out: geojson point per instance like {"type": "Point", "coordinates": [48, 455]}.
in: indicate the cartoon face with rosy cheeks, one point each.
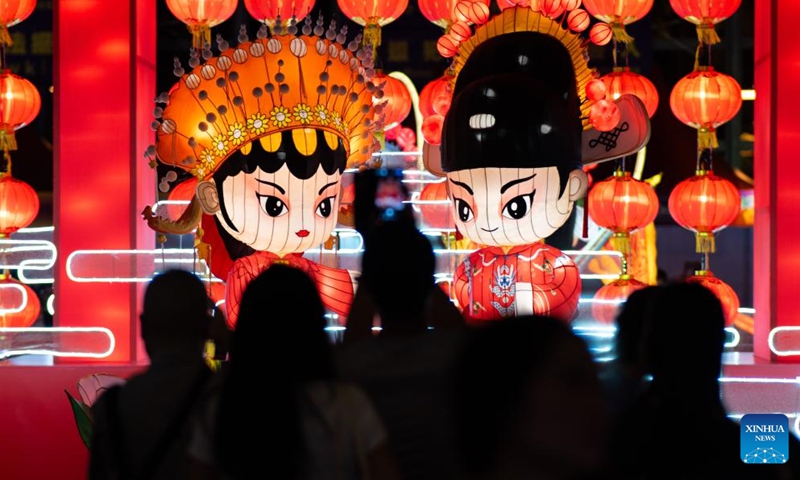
{"type": "Point", "coordinates": [279, 212]}
{"type": "Point", "coordinates": [502, 207]}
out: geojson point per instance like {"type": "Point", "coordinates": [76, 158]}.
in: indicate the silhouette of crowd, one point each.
{"type": "Point", "coordinates": [423, 397]}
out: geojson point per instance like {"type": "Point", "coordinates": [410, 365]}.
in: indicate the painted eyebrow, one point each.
{"type": "Point", "coordinates": [277, 187]}
{"type": "Point", "coordinates": [326, 186]}
{"type": "Point", "coordinates": [514, 182]}
{"type": "Point", "coordinates": [462, 185]}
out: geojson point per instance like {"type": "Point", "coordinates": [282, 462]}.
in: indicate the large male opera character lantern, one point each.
{"type": "Point", "coordinates": [513, 145]}
{"type": "Point", "coordinates": [267, 128]}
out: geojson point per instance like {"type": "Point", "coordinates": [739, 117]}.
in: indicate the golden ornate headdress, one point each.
{"type": "Point", "coordinates": [524, 19]}
{"type": "Point", "coordinates": [256, 90]}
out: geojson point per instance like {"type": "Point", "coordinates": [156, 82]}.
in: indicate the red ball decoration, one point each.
{"type": "Point", "coordinates": [570, 5]}
{"type": "Point", "coordinates": [705, 99]}
{"type": "Point", "coordinates": [182, 192]}
{"type": "Point", "coordinates": [397, 98]}
{"type": "Point", "coordinates": [578, 20]}
{"type": "Point", "coordinates": [432, 129]}
{"type": "Point", "coordinates": [622, 81]}
{"type": "Point", "coordinates": [11, 299]}
{"type": "Point", "coordinates": [460, 31]}
{"type": "Point", "coordinates": [595, 90]}
{"type": "Point", "coordinates": [727, 297]}
{"type": "Point", "coordinates": [19, 205]}
{"type": "Point", "coordinates": [19, 107]}
{"type": "Point", "coordinates": [604, 115]}
{"type": "Point", "coordinates": [623, 205]}
{"type": "Point", "coordinates": [438, 216]}
{"type": "Point", "coordinates": [442, 104]}
{"type": "Point", "coordinates": [478, 13]}
{"type": "Point", "coordinates": [430, 93]}
{"type": "Point", "coordinates": [600, 34]}
{"type": "Point", "coordinates": [267, 11]}
{"type": "Point", "coordinates": [447, 46]}
{"type": "Point", "coordinates": [607, 299]}
{"type": "Point", "coordinates": [705, 14]}
{"type": "Point", "coordinates": [704, 204]}
{"type": "Point", "coordinates": [552, 8]}
{"type": "Point", "coordinates": [441, 12]}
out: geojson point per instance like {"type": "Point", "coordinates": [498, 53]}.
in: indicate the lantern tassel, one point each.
{"type": "Point", "coordinates": [201, 36]}
{"type": "Point", "coordinates": [705, 242]}
{"type": "Point", "coordinates": [707, 139]}
{"type": "Point", "coordinates": [5, 37]}
{"type": "Point", "coordinates": [707, 34]}
{"type": "Point", "coordinates": [621, 243]}
{"type": "Point", "coordinates": [620, 35]}
{"type": "Point", "coordinates": [8, 142]}
{"type": "Point", "coordinates": [372, 35]}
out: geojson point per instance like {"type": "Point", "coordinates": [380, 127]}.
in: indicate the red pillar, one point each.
{"type": "Point", "coordinates": [777, 178]}
{"type": "Point", "coordinates": [104, 86]}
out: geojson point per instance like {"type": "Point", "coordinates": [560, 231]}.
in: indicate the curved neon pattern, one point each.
{"type": "Point", "coordinates": [9, 247]}
{"type": "Point", "coordinates": [55, 352]}
{"type": "Point", "coordinates": [163, 257]}
{"type": "Point", "coordinates": [50, 304]}
{"type": "Point", "coordinates": [771, 341]}
{"type": "Point", "coordinates": [412, 91]}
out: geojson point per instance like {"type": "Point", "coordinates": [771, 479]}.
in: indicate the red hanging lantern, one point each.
{"type": "Point", "coordinates": [442, 12]}
{"type": "Point", "coordinates": [623, 205]}
{"type": "Point", "coordinates": [430, 93]}
{"type": "Point", "coordinates": [727, 297]}
{"type": "Point", "coordinates": [705, 99]}
{"type": "Point", "coordinates": [11, 297]}
{"type": "Point", "coordinates": [622, 81]}
{"type": "Point", "coordinates": [268, 11]}
{"type": "Point", "coordinates": [704, 204]}
{"type": "Point", "coordinates": [201, 15]}
{"type": "Point", "coordinates": [13, 12]}
{"type": "Point", "coordinates": [432, 129]}
{"type": "Point", "coordinates": [618, 13]}
{"type": "Point", "coordinates": [436, 215]}
{"type": "Point", "coordinates": [183, 192]}
{"type": "Point", "coordinates": [705, 14]}
{"type": "Point", "coordinates": [19, 205]}
{"type": "Point", "coordinates": [19, 105]}
{"type": "Point", "coordinates": [372, 15]}
{"type": "Point", "coordinates": [608, 298]}
{"type": "Point", "coordinates": [396, 97]}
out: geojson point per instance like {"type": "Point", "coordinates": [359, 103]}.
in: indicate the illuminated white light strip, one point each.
{"type": "Point", "coordinates": [757, 380]}
{"type": "Point", "coordinates": [29, 246]}
{"type": "Point", "coordinates": [221, 302]}
{"type": "Point", "coordinates": [427, 202]}
{"type": "Point", "coordinates": [31, 281]}
{"type": "Point", "coordinates": [51, 309]}
{"type": "Point", "coordinates": [748, 95]}
{"type": "Point", "coordinates": [747, 311]}
{"type": "Point", "coordinates": [771, 341]}
{"type": "Point", "coordinates": [157, 254]}
{"type": "Point", "coordinates": [737, 337]}
{"type": "Point", "coordinates": [51, 228]}
{"type": "Point", "coordinates": [395, 154]}
{"type": "Point", "coordinates": [599, 276]}
{"type": "Point", "coordinates": [111, 340]}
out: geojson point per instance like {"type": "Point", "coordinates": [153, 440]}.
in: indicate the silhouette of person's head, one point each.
{"type": "Point", "coordinates": [686, 337]}
{"type": "Point", "coordinates": [631, 323]}
{"type": "Point", "coordinates": [397, 268]}
{"type": "Point", "coordinates": [175, 313]}
{"type": "Point", "coordinates": [523, 388]}
{"type": "Point", "coordinates": [281, 307]}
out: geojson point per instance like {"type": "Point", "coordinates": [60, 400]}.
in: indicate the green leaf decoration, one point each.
{"type": "Point", "coordinates": [83, 419]}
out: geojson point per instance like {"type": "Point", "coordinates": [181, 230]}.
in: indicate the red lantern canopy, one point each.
{"type": "Point", "coordinates": [19, 104]}
{"type": "Point", "coordinates": [396, 97]}
{"type": "Point", "coordinates": [727, 297]}
{"type": "Point", "coordinates": [19, 205]}
{"type": "Point", "coordinates": [372, 15]}
{"type": "Point", "coordinates": [430, 93]}
{"type": "Point", "coordinates": [618, 13]}
{"type": "Point", "coordinates": [268, 11]}
{"type": "Point", "coordinates": [705, 14]}
{"type": "Point", "coordinates": [183, 192]}
{"type": "Point", "coordinates": [201, 15]}
{"type": "Point", "coordinates": [622, 81]}
{"type": "Point", "coordinates": [435, 206]}
{"type": "Point", "coordinates": [705, 99]}
{"type": "Point", "coordinates": [12, 13]}
{"type": "Point", "coordinates": [11, 297]}
{"type": "Point", "coordinates": [704, 204]}
{"type": "Point", "coordinates": [609, 297]}
{"type": "Point", "coordinates": [442, 12]}
{"type": "Point", "coordinates": [623, 205]}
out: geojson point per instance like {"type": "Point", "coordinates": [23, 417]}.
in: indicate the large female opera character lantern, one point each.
{"type": "Point", "coordinates": [267, 128]}
{"type": "Point", "coordinates": [513, 145]}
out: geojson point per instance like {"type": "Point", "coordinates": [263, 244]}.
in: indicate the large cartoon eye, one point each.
{"type": "Point", "coordinates": [272, 206]}
{"type": "Point", "coordinates": [464, 210]}
{"type": "Point", "coordinates": [518, 207]}
{"type": "Point", "coordinates": [325, 207]}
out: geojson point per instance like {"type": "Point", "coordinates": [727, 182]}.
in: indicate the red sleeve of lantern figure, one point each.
{"type": "Point", "coordinates": [533, 279]}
